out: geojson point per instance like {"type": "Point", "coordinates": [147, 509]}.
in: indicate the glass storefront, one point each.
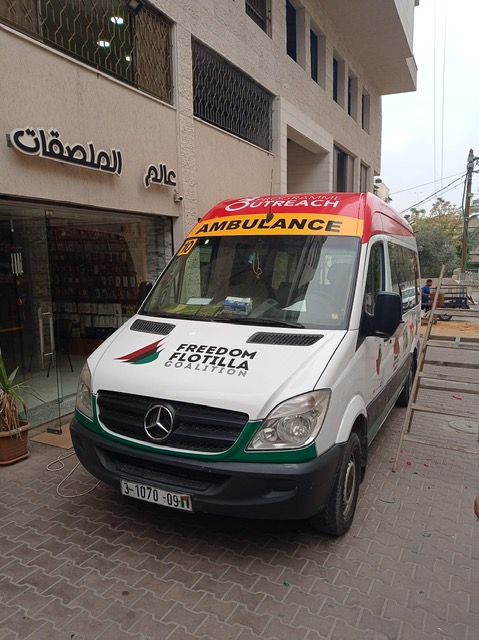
{"type": "Point", "coordinates": [68, 279]}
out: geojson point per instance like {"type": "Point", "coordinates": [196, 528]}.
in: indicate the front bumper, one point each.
{"type": "Point", "coordinates": [269, 491]}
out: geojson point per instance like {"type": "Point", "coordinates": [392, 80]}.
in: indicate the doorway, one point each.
{"type": "Point", "coordinates": [27, 320]}
{"type": "Point", "coordinates": [68, 280]}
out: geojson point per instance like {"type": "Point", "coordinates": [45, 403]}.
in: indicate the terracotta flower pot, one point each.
{"type": "Point", "coordinates": [14, 444]}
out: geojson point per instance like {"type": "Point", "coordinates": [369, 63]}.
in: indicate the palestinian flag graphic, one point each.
{"type": "Point", "coordinates": [144, 355]}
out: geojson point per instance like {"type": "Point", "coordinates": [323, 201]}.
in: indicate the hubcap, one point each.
{"type": "Point", "coordinates": [349, 486]}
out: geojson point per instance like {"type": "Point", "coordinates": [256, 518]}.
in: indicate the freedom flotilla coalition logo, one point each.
{"type": "Point", "coordinates": [144, 355]}
{"type": "Point", "coordinates": [210, 358]}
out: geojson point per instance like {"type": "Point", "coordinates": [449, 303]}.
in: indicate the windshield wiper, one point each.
{"type": "Point", "coordinates": [234, 319]}
{"type": "Point", "coordinates": [261, 321]}
{"type": "Point", "coordinates": [177, 316]}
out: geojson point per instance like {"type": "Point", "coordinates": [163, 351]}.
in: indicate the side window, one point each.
{"type": "Point", "coordinates": [404, 274]}
{"type": "Point", "coordinates": [375, 277]}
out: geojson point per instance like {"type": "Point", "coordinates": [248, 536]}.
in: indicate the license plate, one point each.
{"type": "Point", "coordinates": [155, 495]}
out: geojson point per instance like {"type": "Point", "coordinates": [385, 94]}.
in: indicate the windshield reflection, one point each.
{"type": "Point", "coordinates": [303, 281]}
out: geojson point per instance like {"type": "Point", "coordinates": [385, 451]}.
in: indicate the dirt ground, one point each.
{"type": "Point", "coordinates": [455, 328]}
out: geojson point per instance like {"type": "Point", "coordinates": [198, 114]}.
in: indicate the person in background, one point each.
{"type": "Point", "coordinates": [426, 294]}
{"type": "Point", "coordinates": [476, 507]}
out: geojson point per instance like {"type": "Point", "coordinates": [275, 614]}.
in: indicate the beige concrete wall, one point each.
{"type": "Point", "coordinates": [46, 89]}
{"type": "Point", "coordinates": [227, 167]}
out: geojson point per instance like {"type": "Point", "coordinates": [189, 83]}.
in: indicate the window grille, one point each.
{"type": "Point", "coordinates": [258, 11]}
{"type": "Point", "coordinates": [227, 98]}
{"type": "Point", "coordinates": [102, 34]}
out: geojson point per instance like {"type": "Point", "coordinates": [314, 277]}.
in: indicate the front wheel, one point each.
{"type": "Point", "coordinates": [404, 396]}
{"type": "Point", "coordinates": [445, 317]}
{"type": "Point", "coordinates": [338, 514]}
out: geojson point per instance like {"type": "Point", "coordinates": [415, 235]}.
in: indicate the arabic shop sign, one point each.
{"type": "Point", "coordinates": [47, 144]}
{"type": "Point", "coordinates": [159, 175]}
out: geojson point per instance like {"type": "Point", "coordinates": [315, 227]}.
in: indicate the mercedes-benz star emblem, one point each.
{"type": "Point", "coordinates": [158, 423]}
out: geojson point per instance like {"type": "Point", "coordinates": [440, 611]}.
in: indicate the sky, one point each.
{"type": "Point", "coordinates": [427, 134]}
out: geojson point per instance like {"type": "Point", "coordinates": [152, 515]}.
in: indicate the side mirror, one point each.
{"type": "Point", "coordinates": [144, 289]}
{"type": "Point", "coordinates": [387, 314]}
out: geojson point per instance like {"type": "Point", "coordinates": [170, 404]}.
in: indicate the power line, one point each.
{"type": "Point", "coordinates": [394, 193]}
{"type": "Point", "coordinates": [434, 194]}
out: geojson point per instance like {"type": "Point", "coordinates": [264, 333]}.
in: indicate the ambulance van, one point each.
{"type": "Point", "coordinates": [261, 364]}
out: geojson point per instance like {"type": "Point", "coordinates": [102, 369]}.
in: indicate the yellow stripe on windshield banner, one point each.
{"type": "Point", "coordinates": [280, 224]}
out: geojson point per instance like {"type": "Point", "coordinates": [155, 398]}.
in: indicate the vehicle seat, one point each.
{"type": "Point", "coordinates": [339, 275]}
{"type": "Point", "coordinates": [246, 285]}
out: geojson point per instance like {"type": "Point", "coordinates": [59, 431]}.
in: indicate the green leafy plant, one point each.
{"type": "Point", "coordinates": [11, 398]}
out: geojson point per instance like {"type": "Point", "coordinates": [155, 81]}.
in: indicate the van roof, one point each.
{"type": "Point", "coordinates": [363, 214]}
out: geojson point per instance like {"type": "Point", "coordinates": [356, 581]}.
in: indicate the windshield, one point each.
{"type": "Point", "coordinates": [303, 281]}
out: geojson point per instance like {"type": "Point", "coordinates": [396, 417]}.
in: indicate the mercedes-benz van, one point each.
{"type": "Point", "coordinates": [261, 364]}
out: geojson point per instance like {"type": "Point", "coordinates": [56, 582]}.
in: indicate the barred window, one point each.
{"type": "Point", "coordinates": [259, 12]}
{"type": "Point", "coordinates": [229, 99]}
{"type": "Point", "coordinates": [103, 34]}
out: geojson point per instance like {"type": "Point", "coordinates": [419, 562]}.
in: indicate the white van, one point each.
{"type": "Point", "coordinates": [261, 364]}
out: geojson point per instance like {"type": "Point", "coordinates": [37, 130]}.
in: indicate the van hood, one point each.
{"type": "Point", "coordinates": [246, 368]}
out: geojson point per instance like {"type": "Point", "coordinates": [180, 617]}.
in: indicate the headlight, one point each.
{"type": "Point", "coordinates": [84, 402]}
{"type": "Point", "coordinates": [294, 423]}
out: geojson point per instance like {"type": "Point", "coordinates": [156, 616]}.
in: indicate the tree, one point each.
{"type": "Point", "coordinates": [439, 236]}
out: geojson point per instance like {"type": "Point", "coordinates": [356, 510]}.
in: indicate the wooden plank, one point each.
{"type": "Point", "coordinates": [458, 346]}
{"type": "Point", "coordinates": [446, 378]}
{"type": "Point", "coordinates": [452, 389]}
{"type": "Point", "coordinates": [458, 365]}
{"type": "Point", "coordinates": [444, 412]}
{"type": "Point", "coordinates": [449, 339]}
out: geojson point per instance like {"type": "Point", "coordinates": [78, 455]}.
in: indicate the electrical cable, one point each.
{"type": "Point", "coordinates": [443, 90]}
{"type": "Point", "coordinates": [425, 184]}
{"type": "Point", "coordinates": [433, 194]}
{"type": "Point", "coordinates": [59, 461]}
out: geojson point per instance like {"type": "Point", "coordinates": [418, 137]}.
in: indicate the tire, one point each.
{"type": "Point", "coordinates": [403, 398]}
{"type": "Point", "coordinates": [445, 316]}
{"type": "Point", "coordinates": [337, 516]}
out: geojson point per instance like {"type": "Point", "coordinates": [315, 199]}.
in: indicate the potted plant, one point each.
{"type": "Point", "coordinates": [13, 430]}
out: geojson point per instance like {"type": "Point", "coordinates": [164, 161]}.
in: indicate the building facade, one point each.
{"type": "Point", "coordinates": [124, 121]}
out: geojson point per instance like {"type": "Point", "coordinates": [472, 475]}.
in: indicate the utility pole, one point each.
{"type": "Point", "coordinates": [467, 207]}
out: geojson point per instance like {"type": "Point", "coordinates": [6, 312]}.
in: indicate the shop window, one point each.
{"type": "Point", "coordinates": [96, 270]}
{"type": "Point", "coordinates": [103, 34]}
{"type": "Point", "coordinates": [229, 99]}
{"type": "Point", "coordinates": [259, 12]}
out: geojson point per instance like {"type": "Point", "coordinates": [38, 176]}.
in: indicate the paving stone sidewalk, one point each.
{"type": "Point", "coordinates": [103, 567]}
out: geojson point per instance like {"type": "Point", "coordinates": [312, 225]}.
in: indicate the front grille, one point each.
{"type": "Point", "coordinates": [195, 427]}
